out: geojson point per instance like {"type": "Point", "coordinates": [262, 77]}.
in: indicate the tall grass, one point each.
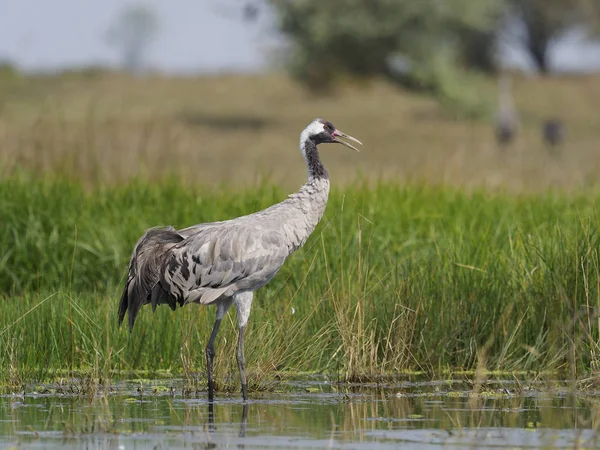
{"type": "Point", "coordinates": [393, 279]}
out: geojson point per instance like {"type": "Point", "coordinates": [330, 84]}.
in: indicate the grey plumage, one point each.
{"type": "Point", "coordinates": [553, 132]}
{"type": "Point", "coordinates": [223, 263]}
{"type": "Point", "coordinates": [149, 256]}
{"type": "Point", "coordinates": [243, 254]}
{"type": "Point", "coordinates": [506, 119]}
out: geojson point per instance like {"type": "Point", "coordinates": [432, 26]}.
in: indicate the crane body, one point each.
{"type": "Point", "coordinates": [223, 263]}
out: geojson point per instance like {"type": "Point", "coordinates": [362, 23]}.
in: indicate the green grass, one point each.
{"type": "Point", "coordinates": [393, 279]}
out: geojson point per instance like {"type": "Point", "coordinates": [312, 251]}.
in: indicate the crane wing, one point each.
{"type": "Point", "coordinates": [142, 286]}
{"type": "Point", "coordinates": [222, 260]}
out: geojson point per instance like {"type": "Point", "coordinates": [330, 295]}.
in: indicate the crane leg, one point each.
{"type": "Point", "coordinates": [244, 424]}
{"type": "Point", "coordinates": [243, 302]}
{"type": "Point", "coordinates": [222, 308]}
{"type": "Point", "coordinates": [210, 355]}
{"type": "Point", "coordinates": [241, 360]}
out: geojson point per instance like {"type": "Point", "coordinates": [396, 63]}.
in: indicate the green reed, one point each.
{"type": "Point", "coordinates": [395, 278]}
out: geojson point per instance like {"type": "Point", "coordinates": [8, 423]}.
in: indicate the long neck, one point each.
{"type": "Point", "coordinates": [505, 96]}
{"type": "Point", "coordinates": [298, 215]}
{"type": "Point", "coordinates": [316, 170]}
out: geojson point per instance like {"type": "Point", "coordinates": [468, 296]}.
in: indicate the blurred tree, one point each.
{"type": "Point", "coordinates": [362, 37]}
{"type": "Point", "coordinates": [132, 33]}
{"type": "Point", "coordinates": [432, 45]}
{"type": "Point", "coordinates": [416, 43]}
{"type": "Point", "coordinates": [545, 21]}
{"type": "Point", "coordinates": [477, 45]}
{"type": "Point", "coordinates": [250, 12]}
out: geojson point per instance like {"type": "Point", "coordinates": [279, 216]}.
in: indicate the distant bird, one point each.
{"type": "Point", "coordinates": [223, 263]}
{"type": "Point", "coordinates": [553, 133]}
{"type": "Point", "coordinates": [506, 119]}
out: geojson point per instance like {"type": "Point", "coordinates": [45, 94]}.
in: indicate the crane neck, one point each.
{"type": "Point", "coordinates": [316, 170]}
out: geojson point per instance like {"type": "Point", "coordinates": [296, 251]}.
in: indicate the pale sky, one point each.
{"type": "Point", "coordinates": [196, 36]}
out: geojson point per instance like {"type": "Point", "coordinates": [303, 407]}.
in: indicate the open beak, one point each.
{"type": "Point", "coordinates": [338, 133]}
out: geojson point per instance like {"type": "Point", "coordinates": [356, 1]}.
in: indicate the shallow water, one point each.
{"type": "Point", "coordinates": [311, 413]}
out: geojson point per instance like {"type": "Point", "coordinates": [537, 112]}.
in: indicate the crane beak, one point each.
{"type": "Point", "coordinates": [338, 133]}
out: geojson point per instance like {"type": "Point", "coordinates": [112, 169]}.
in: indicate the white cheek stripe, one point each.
{"type": "Point", "coordinates": [314, 128]}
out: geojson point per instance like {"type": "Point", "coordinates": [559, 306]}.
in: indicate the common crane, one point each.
{"type": "Point", "coordinates": [506, 118]}
{"type": "Point", "coordinates": [553, 133]}
{"type": "Point", "coordinates": [223, 263]}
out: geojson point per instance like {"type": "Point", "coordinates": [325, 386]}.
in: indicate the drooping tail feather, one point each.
{"type": "Point", "coordinates": [143, 279]}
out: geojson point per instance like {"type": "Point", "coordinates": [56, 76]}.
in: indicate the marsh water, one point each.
{"type": "Point", "coordinates": [310, 413]}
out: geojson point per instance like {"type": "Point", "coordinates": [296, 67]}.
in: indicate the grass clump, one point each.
{"type": "Point", "coordinates": [393, 279]}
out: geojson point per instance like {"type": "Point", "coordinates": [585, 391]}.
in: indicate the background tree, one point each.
{"type": "Point", "coordinates": [545, 21]}
{"type": "Point", "coordinates": [132, 34]}
{"type": "Point", "coordinates": [361, 37]}
{"type": "Point", "coordinates": [477, 45]}
{"type": "Point", "coordinates": [414, 43]}
{"type": "Point", "coordinates": [432, 45]}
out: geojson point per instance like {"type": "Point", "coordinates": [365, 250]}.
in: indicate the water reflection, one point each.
{"type": "Point", "coordinates": [314, 414]}
{"type": "Point", "coordinates": [243, 424]}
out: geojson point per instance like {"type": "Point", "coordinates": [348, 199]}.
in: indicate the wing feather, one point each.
{"type": "Point", "coordinates": [147, 260]}
{"type": "Point", "coordinates": [221, 260]}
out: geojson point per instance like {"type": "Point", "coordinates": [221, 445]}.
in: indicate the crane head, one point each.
{"type": "Point", "coordinates": [323, 132]}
